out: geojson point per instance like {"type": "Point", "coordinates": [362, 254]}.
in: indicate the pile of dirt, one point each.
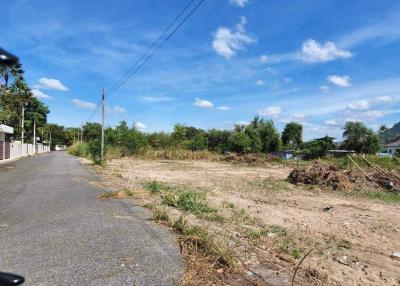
{"type": "Point", "coordinates": [343, 180]}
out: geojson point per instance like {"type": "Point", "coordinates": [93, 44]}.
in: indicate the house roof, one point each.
{"type": "Point", "coordinates": [6, 129]}
{"type": "Point", "coordinates": [393, 144]}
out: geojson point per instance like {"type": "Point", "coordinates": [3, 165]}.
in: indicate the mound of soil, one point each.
{"type": "Point", "coordinates": [343, 180]}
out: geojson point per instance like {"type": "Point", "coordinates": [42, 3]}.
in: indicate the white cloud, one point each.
{"type": "Point", "coordinates": [384, 99]}
{"type": "Point", "coordinates": [84, 104]}
{"type": "Point", "coordinates": [359, 105]}
{"type": "Point", "coordinates": [116, 109]}
{"type": "Point", "coordinates": [270, 111]}
{"type": "Point", "coordinates": [242, 123]}
{"type": "Point", "coordinates": [314, 52]}
{"type": "Point", "coordinates": [50, 83]}
{"type": "Point", "coordinates": [39, 94]}
{"type": "Point", "coordinates": [300, 116]}
{"type": "Point", "coordinates": [260, 82]}
{"type": "Point", "coordinates": [264, 59]}
{"type": "Point", "coordinates": [331, 122]}
{"type": "Point", "coordinates": [224, 108]}
{"type": "Point", "coordinates": [227, 42]}
{"type": "Point", "coordinates": [158, 99]}
{"type": "Point", "coordinates": [140, 126]}
{"type": "Point", "coordinates": [324, 88]}
{"type": "Point", "coordinates": [287, 80]}
{"type": "Point", "coordinates": [203, 103]}
{"type": "Point", "coordinates": [240, 3]}
{"type": "Point", "coordinates": [295, 89]}
{"type": "Point", "coordinates": [364, 116]}
{"type": "Point", "coordinates": [341, 81]}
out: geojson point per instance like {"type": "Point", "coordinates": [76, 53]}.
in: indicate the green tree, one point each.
{"type": "Point", "coordinates": [317, 148]}
{"type": "Point", "coordinates": [360, 138]}
{"type": "Point", "coordinates": [218, 140]}
{"type": "Point", "coordinates": [292, 134]}
{"type": "Point", "coordinates": [91, 131]}
{"type": "Point", "coordinates": [269, 136]}
{"type": "Point", "coordinates": [239, 141]}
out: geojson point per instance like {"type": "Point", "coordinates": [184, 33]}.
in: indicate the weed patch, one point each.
{"type": "Point", "coordinates": [108, 195]}
{"type": "Point", "coordinates": [155, 187]}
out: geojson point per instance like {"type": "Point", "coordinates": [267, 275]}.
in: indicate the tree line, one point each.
{"type": "Point", "coordinates": [259, 136]}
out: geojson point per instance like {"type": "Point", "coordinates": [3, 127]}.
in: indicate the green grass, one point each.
{"type": "Point", "coordinates": [277, 230]}
{"type": "Point", "coordinates": [155, 187]}
{"type": "Point", "coordinates": [344, 244]}
{"type": "Point", "coordinates": [128, 192]}
{"type": "Point", "coordinates": [377, 195]}
{"type": "Point", "coordinates": [190, 201]}
{"type": "Point", "coordinates": [288, 246]}
{"type": "Point", "coordinates": [160, 214]}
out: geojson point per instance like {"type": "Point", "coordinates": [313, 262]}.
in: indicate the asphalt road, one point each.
{"type": "Point", "coordinates": [55, 231]}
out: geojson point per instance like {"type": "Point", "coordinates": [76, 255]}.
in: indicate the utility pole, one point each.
{"type": "Point", "coordinates": [23, 124]}
{"type": "Point", "coordinates": [34, 135]}
{"type": "Point", "coordinates": [81, 133]}
{"type": "Point", "coordinates": [102, 124]}
{"type": "Point", "coordinates": [50, 142]}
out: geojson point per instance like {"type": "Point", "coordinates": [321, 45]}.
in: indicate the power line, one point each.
{"type": "Point", "coordinates": [153, 45]}
{"type": "Point", "coordinates": [133, 71]}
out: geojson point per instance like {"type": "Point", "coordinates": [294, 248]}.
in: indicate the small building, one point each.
{"type": "Point", "coordinates": [5, 142]}
{"type": "Point", "coordinates": [285, 154]}
{"type": "Point", "coordinates": [340, 153]}
{"type": "Point", "coordinates": [391, 148]}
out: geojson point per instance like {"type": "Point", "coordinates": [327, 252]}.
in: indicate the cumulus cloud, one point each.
{"type": "Point", "coordinates": [324, 88]}
{"type": "Point", "coordinates": [224, 108]}
{"type": "Point", "coordinates": [314, 52]}
{"type": "Point", "coordinates": [260, 82]}
{"type": "Point", "coordinates": [341, 81]}
{"type": "Point", "coordinates": [359, 105]}
{"type": "Point", "coordinates": [270, 111]}
{"type": "Point", "coordinates": [84, 104]}
{"type": "Point", "coordinates": [227, 42]}
{"type": "Point", "coordinates": [50, 83]}
{"type": "Point", "coordinates": [239, 3]}
{"type": "Point", "coordinates": [203, 103]}
{"type": "Point", "coordinates": [39, 94]}
{"type": "Point", "coordinates": [140, 126]}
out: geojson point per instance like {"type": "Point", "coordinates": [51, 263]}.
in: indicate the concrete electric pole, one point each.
{"type": "Point", "coordinates": [102, 124]}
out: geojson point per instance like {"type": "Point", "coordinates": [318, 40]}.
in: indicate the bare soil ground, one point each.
{"type": "Point", "coordinates": [270, 224]}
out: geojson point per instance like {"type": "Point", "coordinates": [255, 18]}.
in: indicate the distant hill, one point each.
{"type": "Point", "coordinates": [391, 134]}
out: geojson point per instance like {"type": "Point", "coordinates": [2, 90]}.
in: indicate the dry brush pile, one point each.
{"type": "Point", "coordinates": [345, 180]}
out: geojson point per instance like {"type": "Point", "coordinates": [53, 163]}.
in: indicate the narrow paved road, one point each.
{"type": "Point", "coordinates": [54, 230]}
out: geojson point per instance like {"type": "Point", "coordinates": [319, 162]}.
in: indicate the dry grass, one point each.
{"type": "Point", "coordinates": [266, 224]}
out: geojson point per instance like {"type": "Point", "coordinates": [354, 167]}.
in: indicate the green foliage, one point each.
{"type": "Point", "coordinates": [292, 134]}
{"type": "Point", "coordinates": [156, 187]}
{"type": "Point", "coordinates": [316, 148]}
{"type": "Point", "coordinates": [239, 142]}
{"type": "Point", "coordinates": [359, 138]}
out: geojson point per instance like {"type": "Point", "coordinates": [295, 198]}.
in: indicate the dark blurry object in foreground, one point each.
{"type": "Point", "coordinates": [8, 279]}
{"type": "Point", "coordinates": [7, 58]}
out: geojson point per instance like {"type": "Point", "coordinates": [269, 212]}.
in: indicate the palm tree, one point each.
{"type": "Point", "coordinates": [15, 71]}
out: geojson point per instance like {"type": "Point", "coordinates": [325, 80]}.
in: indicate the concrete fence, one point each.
{"type": "Point", "coordinates": [17, 149]}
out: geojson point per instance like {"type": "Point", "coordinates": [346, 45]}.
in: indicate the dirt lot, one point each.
{"type": "Point", "coordinates": [270, 224]}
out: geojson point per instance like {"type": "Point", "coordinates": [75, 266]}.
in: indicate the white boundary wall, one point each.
{"type": "Point", "coordinates": [22, 150]}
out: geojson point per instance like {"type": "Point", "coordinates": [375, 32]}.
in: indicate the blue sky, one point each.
{"type": "Point", "coordinates": [317, 62]}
